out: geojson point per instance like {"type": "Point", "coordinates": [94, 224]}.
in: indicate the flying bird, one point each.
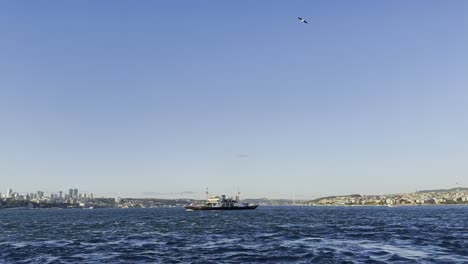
{"type": "Point", "coordinates": [302, 20]}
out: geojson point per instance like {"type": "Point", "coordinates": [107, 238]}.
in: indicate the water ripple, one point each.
{"type": "Point", "coordinates": [427, 234]}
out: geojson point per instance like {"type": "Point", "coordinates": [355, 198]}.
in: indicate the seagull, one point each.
{"type": "Point", "coordinates": [302, 20]}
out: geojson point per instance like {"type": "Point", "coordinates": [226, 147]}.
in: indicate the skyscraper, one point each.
{"type": "Point", "coordinates": [70, 193]}
{"type": "Point", "coordinates": [9, 192]}
{"type": "Point", "coordinates": [75, 193]}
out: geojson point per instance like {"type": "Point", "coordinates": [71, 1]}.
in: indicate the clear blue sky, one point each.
{"type": "Point", "coordinates": [168, 96]}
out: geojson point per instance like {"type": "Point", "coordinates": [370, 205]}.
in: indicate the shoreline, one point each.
{"type": "Point", "coordinates": [165, 207]}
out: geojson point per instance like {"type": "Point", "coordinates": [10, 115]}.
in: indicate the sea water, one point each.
{"type": "Point", "coordinates": [410, 234]}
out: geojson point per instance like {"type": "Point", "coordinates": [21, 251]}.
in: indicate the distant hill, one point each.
{"type": "Point", "coordinates": [266, 201]}
{"type": "Point", "coordinates": [335, 196]}
{"type": "Point", "coordinates": [423, 191]}
{"type": "Point", "coordinates": [456, 189]}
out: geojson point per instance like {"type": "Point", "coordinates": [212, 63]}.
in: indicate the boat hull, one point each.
{"type": "Point", "coordinates": [210, 208]}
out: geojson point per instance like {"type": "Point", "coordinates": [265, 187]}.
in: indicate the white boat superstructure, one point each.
{"type": "Point", "coordinates": [222, 202]}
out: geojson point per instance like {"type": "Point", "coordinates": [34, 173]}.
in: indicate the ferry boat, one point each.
{"type": "Point", "coordinates": [221, 203]}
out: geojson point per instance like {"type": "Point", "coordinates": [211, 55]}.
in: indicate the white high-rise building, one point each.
{"type": "Point", "coordinates": [9, 192]}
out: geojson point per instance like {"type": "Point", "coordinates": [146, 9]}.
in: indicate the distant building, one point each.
{"type": "Point", "coordinates": [70, 193]}
{"type": "Point", "coordinates": [60, 194]}
{"type": "Point", "coordinates": [75, 193]}
{"type": "Point", "coordinates": [9, 192]}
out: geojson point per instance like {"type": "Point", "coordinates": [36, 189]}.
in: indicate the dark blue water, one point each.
{"type": "Point", "coordinates": [423, 234]}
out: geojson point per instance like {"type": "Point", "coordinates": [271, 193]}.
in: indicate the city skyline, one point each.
{"type": "Point", "coordinates": [148, 97]}
{"type": "Point", "coordinates": [74, 193]}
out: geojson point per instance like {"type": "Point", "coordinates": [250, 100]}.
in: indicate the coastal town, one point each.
{"type": "Point", "coordinates": [74, 199]}
{"type": "Point", "coordinates": [429, 197]}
